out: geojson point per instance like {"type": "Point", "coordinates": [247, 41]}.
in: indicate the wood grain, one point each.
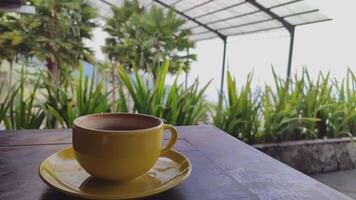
{"type": "Point", "coordinates": [223, 168]}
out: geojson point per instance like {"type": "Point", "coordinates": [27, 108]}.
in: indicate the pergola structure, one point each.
{"type": "Point", "coordinates": [210, 19]}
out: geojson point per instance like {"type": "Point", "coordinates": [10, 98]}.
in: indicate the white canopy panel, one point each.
{"type": "Point", "coordinates": [221, 18]}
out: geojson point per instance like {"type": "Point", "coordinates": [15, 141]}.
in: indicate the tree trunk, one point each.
{"type": "Point", "coordinates": [11, 70]}
{"type": "Point", "coordinates": [53, 69]}
{"type": "Point", "coordinates": [321, 126]}
{"type": "Point", "coordinates": [186, 79]}
{"type": "Point", "coordinates": [156, 63]}
{"type": "Point", "coordinates": [186, 69]}
{"type": "Point", "coordinates": [113, 82]}
{"type": "Point", "coordinates": [106, 86]}
{"type": "Point", "coordinates": [154, 75]}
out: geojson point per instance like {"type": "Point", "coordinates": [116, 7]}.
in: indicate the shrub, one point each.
{"type": "Point", "coordinates": [282, 109]}
{"type": "Point", "coordinates": [294, 109]}
{"type": "Point", "coordinates": [174, 104]}
{"type": "Point", "coordinates": [69, 101]}
{"type": "Point", "coordinates": [7, 101]}
{"type": "Point", "coordinates": [23, 110]}
{"type": "Point", "coordinates": [239, 112]}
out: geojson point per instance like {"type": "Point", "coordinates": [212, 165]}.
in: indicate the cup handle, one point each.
{"type": "Point", "coordinates": [172, 141]}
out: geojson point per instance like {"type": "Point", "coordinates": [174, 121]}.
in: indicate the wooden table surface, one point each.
{"type": "Point", "coordinates": [223, 168]}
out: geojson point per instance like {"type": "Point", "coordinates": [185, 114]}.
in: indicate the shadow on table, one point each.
{"type": "Point", "coordinates": [55, 195]}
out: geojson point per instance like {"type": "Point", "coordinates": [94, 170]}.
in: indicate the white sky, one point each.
{"type": "Point", "coordinates": [327, 46]}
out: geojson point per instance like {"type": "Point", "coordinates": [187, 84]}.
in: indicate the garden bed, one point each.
{"type": "Point", "coordinates": [314, 156]}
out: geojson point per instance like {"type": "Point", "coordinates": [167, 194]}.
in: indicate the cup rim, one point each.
{"type": "Point", "coordinates": [76, 125]}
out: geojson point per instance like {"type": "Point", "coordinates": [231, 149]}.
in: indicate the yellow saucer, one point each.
{"type": "Point", "coordinates": [62, 172]}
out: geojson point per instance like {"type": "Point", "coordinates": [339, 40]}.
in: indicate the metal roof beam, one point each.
{"type": "Point", "coordinates": [197, 6]}
{"type": "Point", "coordinates": [221, 9]}
{"type": "Point", "coordinates": [174, 3]}
{"type": "Point", "coordinates": [256, 31]}
{"type": "Point", "coordinates": [260, 21]}
{"type": "Point", "coordinates": [268, 11]}
{"type": "Point", "coordinates": [242, 15]}
{"type": "Point", "coordinates": [204, 38]}
{"type": "Point", "coordinates": [266, 20]}
{"type": "Point", "coordinates": [290, 27]}
{"type": "Point", "coordinates": [238, 4]}
{"type": "Point", "coordinates": [234, 17]}
{"type": "Point", "coordinates": [312, 22]}
{"type": "Point", "coordinates": [247, 24]}
{"type": "Point", "coordinates": [284, 4]}
{"type": "Point", "coordinates": [107, 3]}
{"type": "Point", "coordinates": [199, 38]}
{"type": "Point", "coordinates": [300, 13]}
{"type": "Point", "coordinates": [240, 25]}
{"type": "Point", "coordinates": [223, 72]}
{"type": "Point", "coordinates": [223, 37]}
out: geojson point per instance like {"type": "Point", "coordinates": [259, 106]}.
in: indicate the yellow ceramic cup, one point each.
{"type": "Point", "coordinates": [119, 146]}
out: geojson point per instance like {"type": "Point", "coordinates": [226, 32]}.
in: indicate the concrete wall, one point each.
{"type": "Point", "coordinates": [314, 156]}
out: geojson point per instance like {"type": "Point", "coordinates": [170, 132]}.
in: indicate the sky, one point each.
{"type": "Point", "coordinates": [328, 47]}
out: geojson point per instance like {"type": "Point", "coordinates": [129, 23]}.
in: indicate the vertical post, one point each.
{"type": "Point", "coordinates": [223, 68]}
{"type": "Point", "coordinates": [187, 70]}
{"type": "Point", "coordinates": [291, 44]}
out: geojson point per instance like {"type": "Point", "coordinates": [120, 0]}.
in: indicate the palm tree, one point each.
{"type": "Point", "coordinates": [146, 38]}
{"type": "Point", "coordinates": [107, 71]}
{"type": "Point", "coordinates": [54, 35]}
{"type": "Point", "coordinates": [11, 42]}
{"type": "Point", "coordinates": [122, 45]}
{"type": "Point", "coordinates": [162, 33]}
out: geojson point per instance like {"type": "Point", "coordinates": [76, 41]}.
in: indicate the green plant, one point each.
{"type": "Point", "coordinates": [238, 113]}
{"type": "Point", "coordinates": [317, 102]}
{"type": "Point", "coordinates": [54, 35]}
{"type": "Point", "coordinates": [24, 112]}
{"type": "Point", "coordinates": [174, 104]}
{"type": "Point", "coordinates": [289, 111]}
{"type": "Point", "coordinates": [341, 120]}
{"type": "Point", "coordinates": [6, 102]}
{"type": "Point", "coordinates": [282, 108]}
{"type": "Point", "coordinates": [66, 104]}
{"type": "Point", "coordinates": [191, 105]}
{"type": "Point", "coordinates": [293, 109]}
{"type": "Point", "coordinates": [146, 37]}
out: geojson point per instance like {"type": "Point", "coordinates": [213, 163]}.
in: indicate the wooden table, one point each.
{"type": "Point", "coordinates": [223, 168]}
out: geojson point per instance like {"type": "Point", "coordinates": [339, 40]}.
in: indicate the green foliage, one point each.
{"type": "Point", "coordinates": [38, 102]}
{"type": "Point", "coordinates": [290, 109]}
{"type": "Point", "coordinates": [294, 109]}
{"type": "Point", "coordinates": [123, 37]}
{"type": "Point", "coordinates": [176, 105]}
{"type": "Point", "coordinates": [240, 114]}
{"type": "Point", "coordinates": [54, 35]}
{"type": "Point", "coordinates": [11, 39]}
{"type": "Point", "coordinates": [58, 102]}
{"type": "Point", "coordinates": [66, 103]}
{"type": "Point", "coordinates": [283, 109]}
{"type": "Point", "coordinates": [8, 100]}
{"type": "Point", "coordinates": [146, 37]}
{"type": "Point", "coordinates": [23, 110]}
{"type": "Point", "coordinates": [341, 119]}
